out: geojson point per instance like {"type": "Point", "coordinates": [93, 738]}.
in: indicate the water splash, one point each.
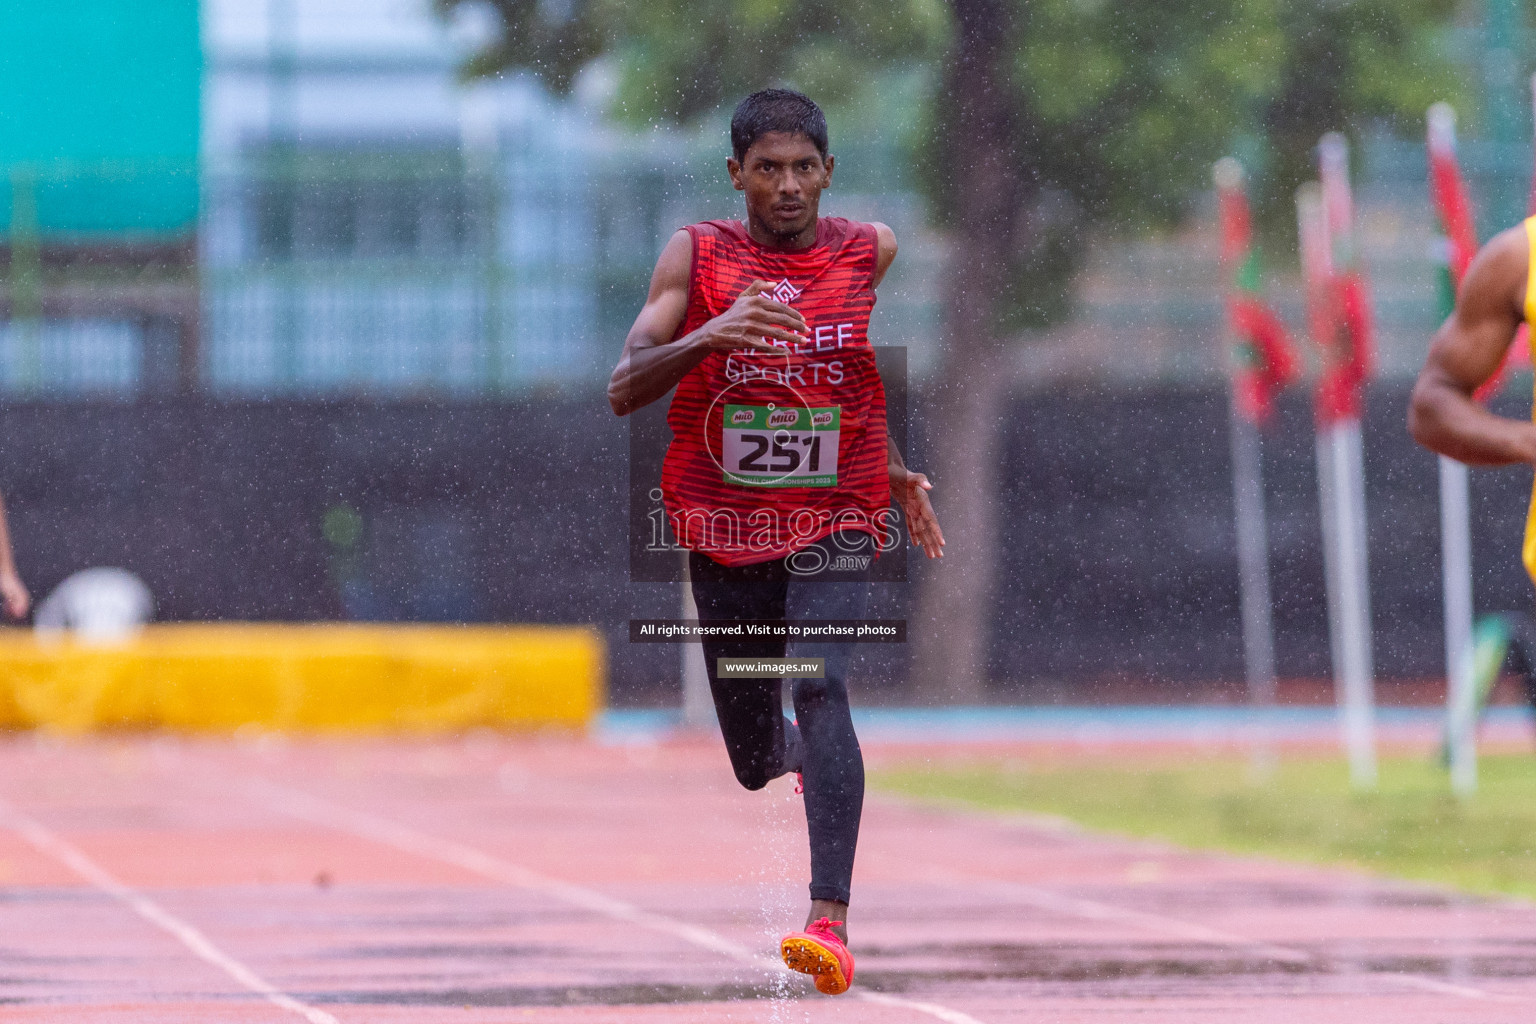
{"type": "Point", "coordinates": [780, 889]}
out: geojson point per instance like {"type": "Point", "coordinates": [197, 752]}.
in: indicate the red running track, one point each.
{"type": "Point", "coordinates": [554, 880]}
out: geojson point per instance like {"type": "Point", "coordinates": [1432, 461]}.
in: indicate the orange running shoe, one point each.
{"type": "Point", "coordinates": [818, 951]}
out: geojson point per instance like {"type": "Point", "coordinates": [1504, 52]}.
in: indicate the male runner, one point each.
{"type": "Point", "coordinates": [780, 473]}
{"type": "Point", "coordinates": [1495, 297]}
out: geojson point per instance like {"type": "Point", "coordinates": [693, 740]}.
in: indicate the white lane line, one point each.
{"type": "Point", "coordinates": [66, 853]}
{"type": "Point", "coordinates": [306, 807]}
{"type": "Point", "coordinates": [1446, 988]}
{"type": "Point", "coordinates": [1158, 923]}
{"type": "Point", "coordinates": [943, 1013]}
{"type": "Point", "coordinates": [1095, 910]}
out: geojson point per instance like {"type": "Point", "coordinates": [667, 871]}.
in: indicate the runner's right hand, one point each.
{"type": "Point", "coordinates": [753, 318]}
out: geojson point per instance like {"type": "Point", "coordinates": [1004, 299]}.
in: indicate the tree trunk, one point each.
{"type": "Point", "coordinates": [983, 153]}
{"type": "Point", "coordinates": [952, 621]}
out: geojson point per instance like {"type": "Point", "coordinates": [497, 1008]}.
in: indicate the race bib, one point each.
{"type": "Point", "coordinates": [768, 446]}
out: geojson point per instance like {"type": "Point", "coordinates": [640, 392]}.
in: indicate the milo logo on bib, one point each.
{"type": "Point", "coordinates": [767, 446]}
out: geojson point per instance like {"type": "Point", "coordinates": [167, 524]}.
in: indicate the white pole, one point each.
{"type": "Point", "coordinates": [1330, 240]}
{"type": "Point", "coordinates": [1253, 581]}
{"type": "Point", "coordinates": [1328, 506]}
{"type": "Point", "coordinates": [698, 704]}
{"type": "Point", "coordinates": [1455, 553]}
{"type": "Point", "coordinates": [1456, 582]}
{"type": "Point", "coordinates": [1353, 672]}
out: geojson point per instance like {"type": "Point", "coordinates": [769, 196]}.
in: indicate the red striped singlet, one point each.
{"type": "Point", "coordinates": [771, 452]}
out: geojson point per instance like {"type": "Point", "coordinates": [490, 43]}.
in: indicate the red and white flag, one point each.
{"type": "Point", "coordinates": [1264, 359]}
{"type": "Point", "coordinates": [1338, 299]}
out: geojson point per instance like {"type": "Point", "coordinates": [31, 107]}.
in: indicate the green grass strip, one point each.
{"type": "Point", "coordinates": [1410, 827]}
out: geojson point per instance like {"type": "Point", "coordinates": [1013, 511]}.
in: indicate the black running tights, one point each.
{"type": "Point", "coordinates": [761, 742]}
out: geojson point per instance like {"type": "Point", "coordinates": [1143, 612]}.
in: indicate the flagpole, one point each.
{"type": "Point", "coordinates": [1253, 582]}
{"type": "Point", "coordinates": [1248, 491]}
{"type": "Point", "coordinates": [1324, 218]}
{"type": "Point", "coordinates": [1455, 500]}
{"type": "Point", "coordinates": [1456, 589]}
{"type": "Point", "coordinates": [1358, 697]}
{"type": "Point", "coordinates": [1311, 229]}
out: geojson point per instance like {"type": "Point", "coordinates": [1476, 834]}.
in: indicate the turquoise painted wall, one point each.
{"type": "Point", "coordinates": [99, 116]}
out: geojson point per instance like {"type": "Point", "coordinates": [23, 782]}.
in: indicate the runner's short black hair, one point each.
{"type": "Point", "coordinates": [777, 110]}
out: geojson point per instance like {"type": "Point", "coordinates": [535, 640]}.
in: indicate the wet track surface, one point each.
{"type": "Point", "coordinates": [498, 879]}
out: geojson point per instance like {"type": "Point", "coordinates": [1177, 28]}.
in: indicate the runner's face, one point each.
{"type": "Point", "coordinates": [782, 175]}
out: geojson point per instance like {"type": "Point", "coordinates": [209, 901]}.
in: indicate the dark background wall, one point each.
{"type": "Point", "coordinates": [1118, 562]}
{"type": "Point", "coordinates": [1120, 558]}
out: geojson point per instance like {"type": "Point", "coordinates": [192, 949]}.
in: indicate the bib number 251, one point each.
{"type": "Point", "coordinates": [768, 446]}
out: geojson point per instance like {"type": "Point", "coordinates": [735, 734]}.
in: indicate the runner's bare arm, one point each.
{"type": "Point", "coordinates": [908, 488]}
{"type": "Point", "coordinates": [885, 253]}
{"type": "Point", "coordinates": [652, 362]}
{"type": "Point", "coordinates": [13, 593]}
{"type": "Point", "coordinates": [1467, 350]}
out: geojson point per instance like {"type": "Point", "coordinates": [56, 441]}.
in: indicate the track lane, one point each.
{"type": "Point", "coordinates": [45, 841]}
{"type": "Point", "coordinates": [1100, 927]}
{"type": "Point", "coordinates": [328, 814]}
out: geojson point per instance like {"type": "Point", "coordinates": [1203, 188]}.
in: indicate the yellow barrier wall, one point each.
{"type": "Point", "coordinates": [323, 677]}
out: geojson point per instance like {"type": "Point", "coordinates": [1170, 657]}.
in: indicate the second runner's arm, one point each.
{"type": "Point", "coordinates": [1468, 350]}
{"type": "Point", "coordinates": [652, 362]}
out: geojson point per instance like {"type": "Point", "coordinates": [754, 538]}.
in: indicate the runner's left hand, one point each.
{"type": "Point", "coordinates": [911, 491]}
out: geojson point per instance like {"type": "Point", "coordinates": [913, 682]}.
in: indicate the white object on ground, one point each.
{"type": "Point", "coordinates": [103, 605]}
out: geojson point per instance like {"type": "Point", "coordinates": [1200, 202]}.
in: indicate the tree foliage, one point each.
{"type": "Point", "coordinates": [1121, 107]}
{"type": "Point", "coordinates": [678, 60]}
{"type": "Point", "coordinates": [1349, 65]}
